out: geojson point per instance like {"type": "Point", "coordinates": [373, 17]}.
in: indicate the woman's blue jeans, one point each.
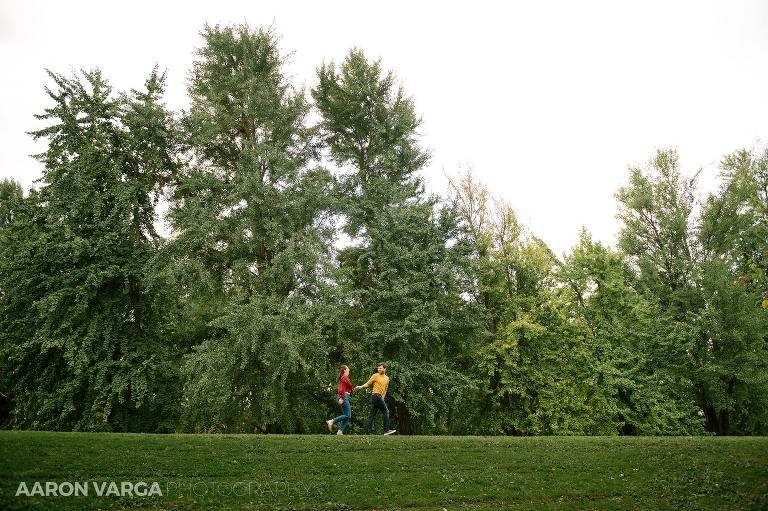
{"type": "Point", "coordinates": [346, 412]}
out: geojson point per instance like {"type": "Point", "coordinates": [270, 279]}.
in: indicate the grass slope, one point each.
{"type": "Point", "coordinates": [375, 472]}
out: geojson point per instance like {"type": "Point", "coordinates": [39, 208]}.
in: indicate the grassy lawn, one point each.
{"type": "Point", "coordinates": [375, 472]}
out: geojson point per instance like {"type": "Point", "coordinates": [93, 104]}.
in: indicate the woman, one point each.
{"type": "Point", "coordinates": [345, 389]}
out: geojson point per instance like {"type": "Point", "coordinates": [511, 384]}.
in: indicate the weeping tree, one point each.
{"type": "Point", "coordinates": [79, 329]}
{"type": "Point", "coordinates": [402, 275]}
{"type": "Point", "coordinates": [253, 232]}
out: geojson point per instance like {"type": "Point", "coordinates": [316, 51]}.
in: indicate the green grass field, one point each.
{"type": "Point", "coordinates": [375, 472]}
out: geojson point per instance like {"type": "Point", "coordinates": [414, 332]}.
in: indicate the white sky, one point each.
{"type": "Point", "coordinates": [548, 101]}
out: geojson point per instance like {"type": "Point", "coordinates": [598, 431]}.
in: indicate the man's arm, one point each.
{"type": "Point", "coordinates": [366, 384]}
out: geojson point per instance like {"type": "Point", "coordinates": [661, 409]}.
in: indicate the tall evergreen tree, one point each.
{"type": "Point", "coordinates": [78, 333]}
{"type": "Point", "coordinates": [404, 272]}
{"type": "Point", "coordinates": [252, 242]}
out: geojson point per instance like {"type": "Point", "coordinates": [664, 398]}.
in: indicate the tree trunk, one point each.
{"type": "Point", "coordinates": [404, 424]}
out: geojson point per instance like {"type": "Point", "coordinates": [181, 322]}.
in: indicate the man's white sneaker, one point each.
{"type": "Point", "coordinates": [390, 431]}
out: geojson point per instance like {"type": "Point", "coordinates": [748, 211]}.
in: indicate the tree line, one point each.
{"type": "Point", "coordinates": [236, 321]}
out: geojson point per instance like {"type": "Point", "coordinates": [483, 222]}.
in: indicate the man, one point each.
{"type": "Point", "coordinates": [380, 382]}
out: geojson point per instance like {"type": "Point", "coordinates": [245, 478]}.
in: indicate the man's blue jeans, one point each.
{"type": "Point", "coordinates": [377, 403]}
{"type": "Point", "coordinates": [346, 412]}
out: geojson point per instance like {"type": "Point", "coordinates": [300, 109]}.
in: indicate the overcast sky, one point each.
{"type": "Point", "coordinates": [549, 102]}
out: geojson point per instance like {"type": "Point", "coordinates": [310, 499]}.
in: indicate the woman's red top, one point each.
{"type": "Point", "coordinates": [344, 386]}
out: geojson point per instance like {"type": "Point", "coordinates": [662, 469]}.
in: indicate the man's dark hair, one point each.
{"type": "Point", "coordinates": [382, 364]}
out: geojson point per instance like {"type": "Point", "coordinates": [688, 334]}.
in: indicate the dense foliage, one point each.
{"type": "Point", "coordinates": [81, 342]}
{"type": "Point", "coordinates": [302, 238]}
{"type": "Point", "coordinates": [402, 275]}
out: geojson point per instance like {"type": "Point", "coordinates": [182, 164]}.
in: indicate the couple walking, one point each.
{"type": "Point", "coordinates": [380, 382]}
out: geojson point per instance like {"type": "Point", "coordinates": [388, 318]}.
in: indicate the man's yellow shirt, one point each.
{"type": "Point", "coordinates": [380, 383]}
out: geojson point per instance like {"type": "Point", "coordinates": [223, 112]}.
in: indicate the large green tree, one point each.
{"type": "Point", "coordinates": [80, 339]}
{"type": "Point", "coordinates": [533, 362]}
{"type": "Point", "coordinates": [656, 208]}
{"type": "Point", "coordinates": [630, 344]}
{"type": "Point", "coordinates": [403, 273]}
{"type": "Point", "coordinates": [252, 243]}
{"type": "Point", "coordinates": [711, 333]}
{"type": "Point", "coordinates": [731, 352]}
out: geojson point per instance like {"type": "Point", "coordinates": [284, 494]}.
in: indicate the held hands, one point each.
{"type": "Point", "coordinates": [358, 387]}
